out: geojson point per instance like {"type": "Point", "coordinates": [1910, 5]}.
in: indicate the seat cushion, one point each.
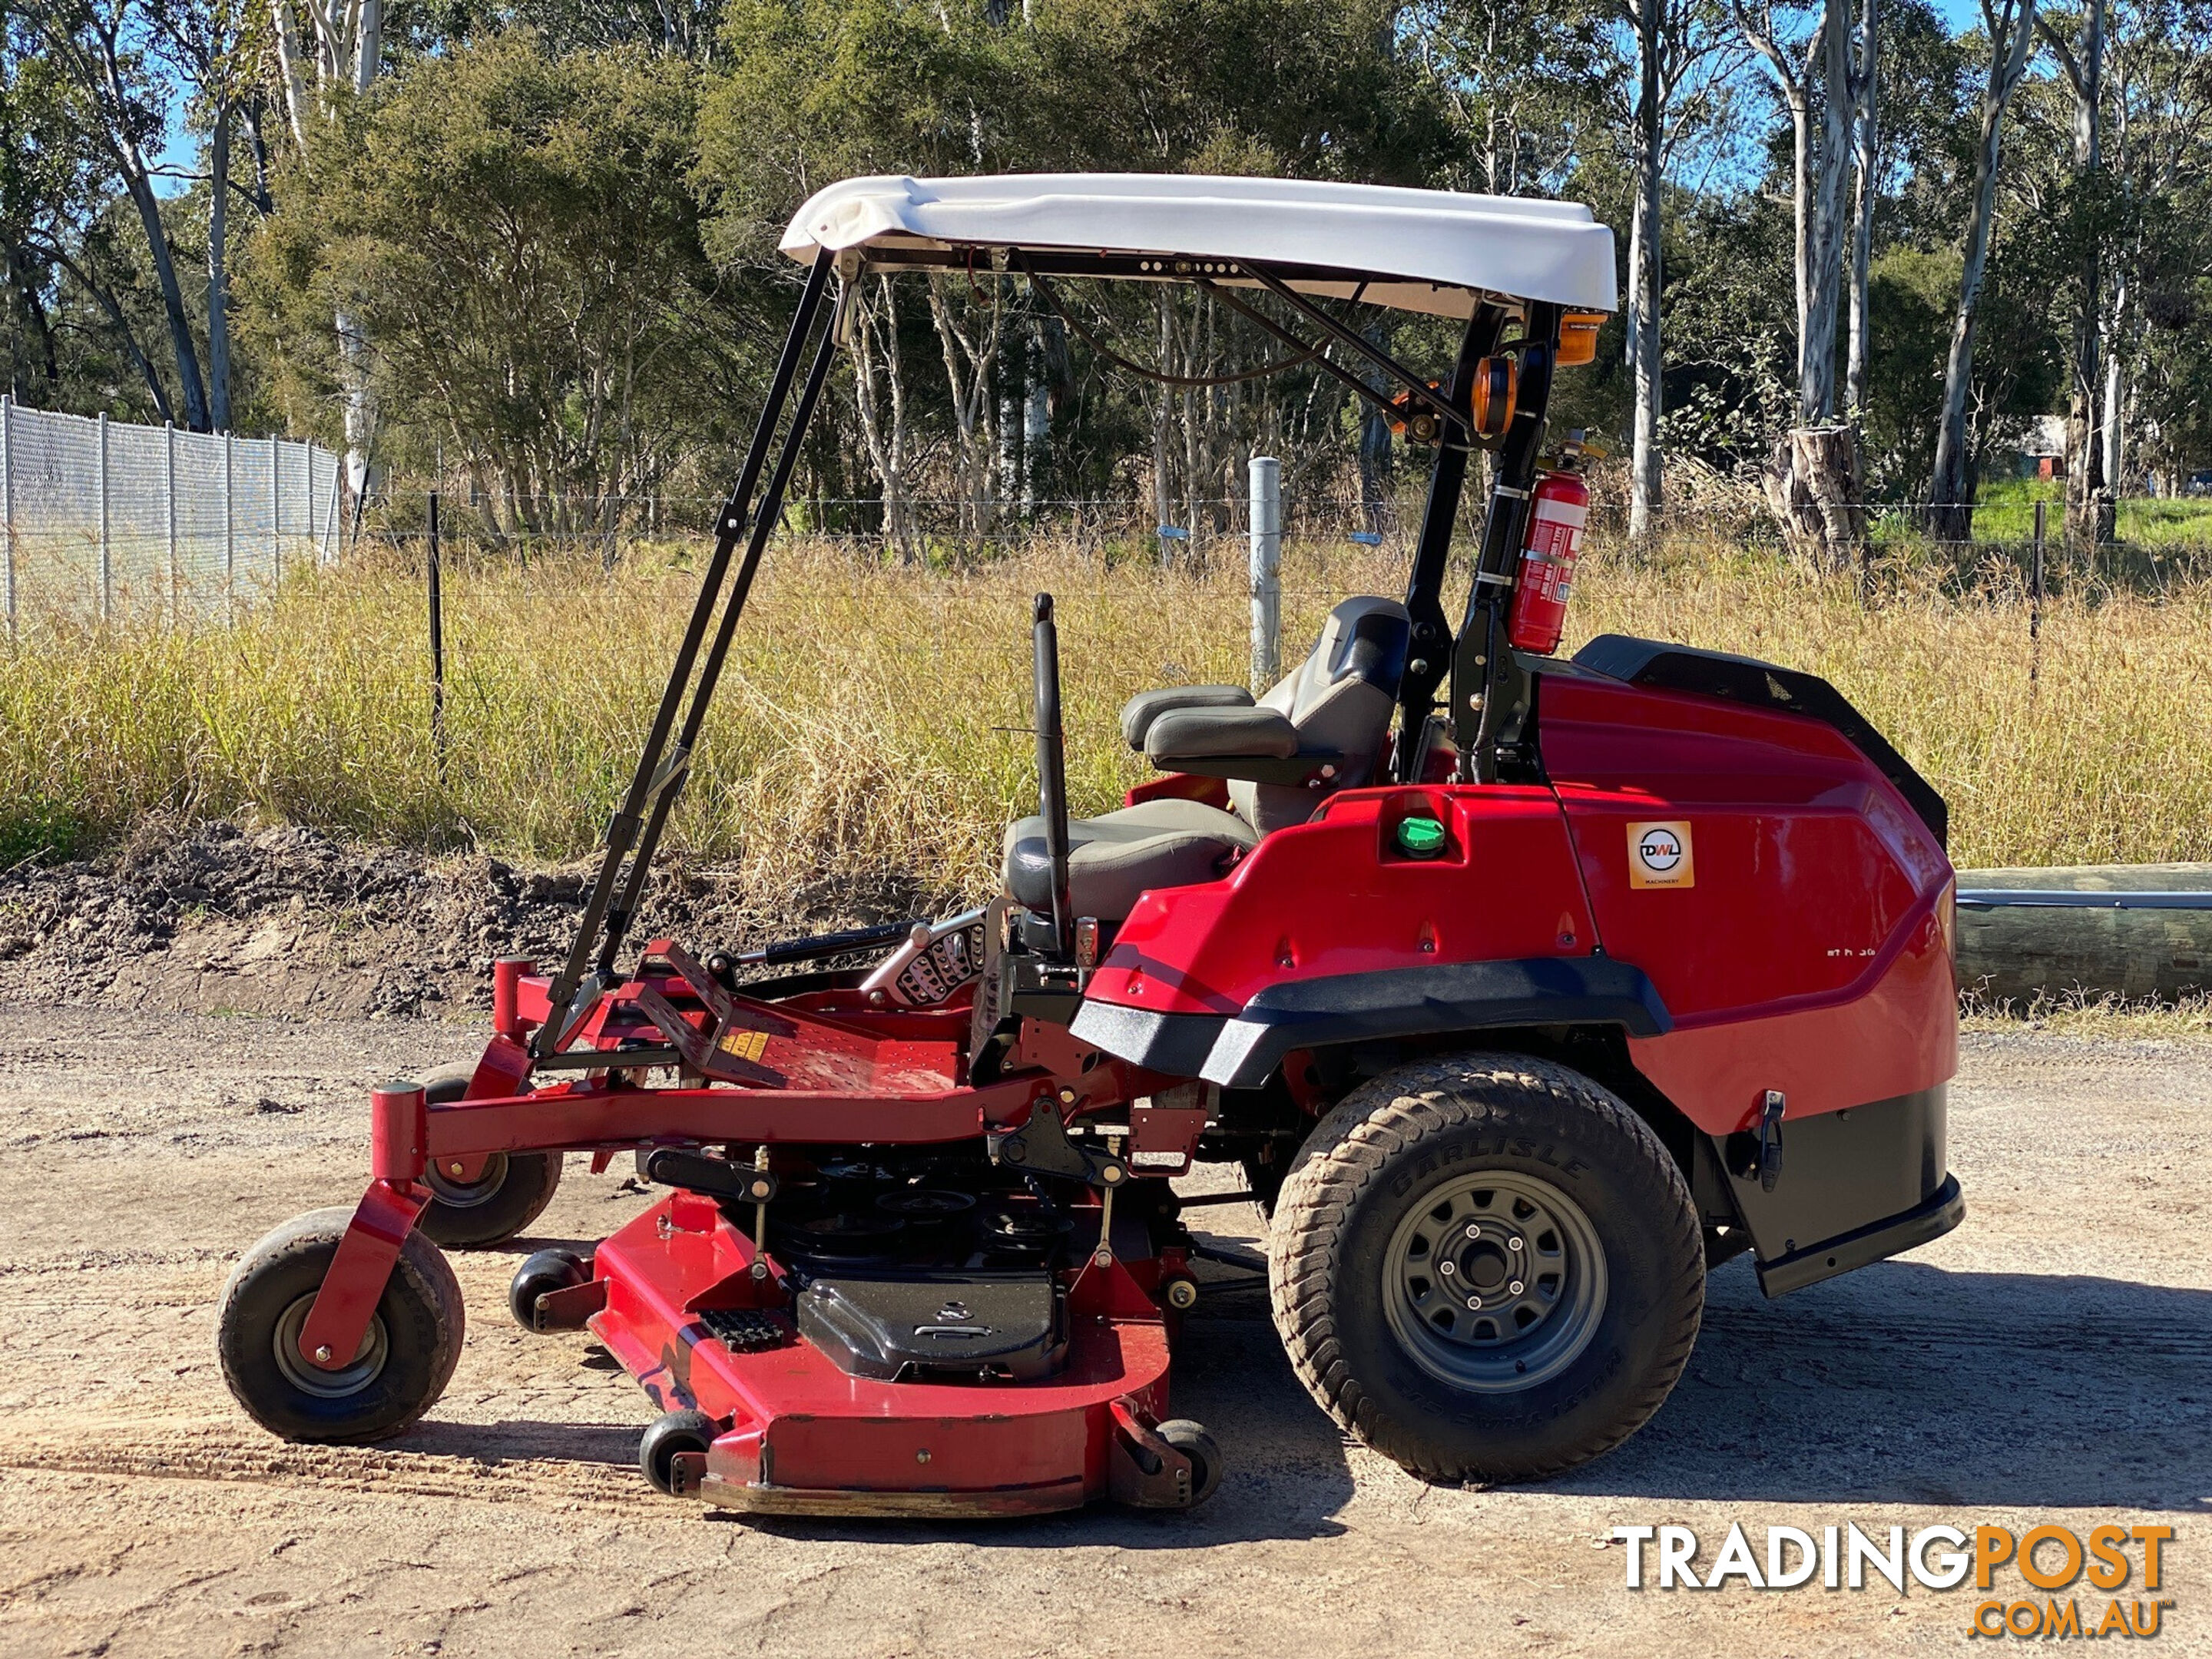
{"type": "Point", "coordinates": [1118, 855]}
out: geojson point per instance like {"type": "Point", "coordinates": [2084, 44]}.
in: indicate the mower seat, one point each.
{"type": "Point", "coordinates": [1115, 857]}
{"type": "Point", "coordinates": [1338, 701]}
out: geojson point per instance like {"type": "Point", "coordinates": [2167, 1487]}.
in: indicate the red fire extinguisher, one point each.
{"type": "Point", "coordinates": [1558, 507]}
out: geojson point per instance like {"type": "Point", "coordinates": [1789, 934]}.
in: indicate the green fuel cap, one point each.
{"type": "Point", "coordinates": [1420, 837]}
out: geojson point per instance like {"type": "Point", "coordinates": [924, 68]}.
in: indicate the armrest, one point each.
{"type": "Point", "coordinates": [1141, 710]}
{"type": "Point", "coordinates": [1184, 734]}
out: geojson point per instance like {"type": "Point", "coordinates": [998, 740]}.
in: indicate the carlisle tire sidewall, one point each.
{"type": "Point", "coordinates": [1547, 1424]}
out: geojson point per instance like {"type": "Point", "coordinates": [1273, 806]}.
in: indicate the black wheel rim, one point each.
{"type": "Point", "coordinates": [367, 1365]}
{"type": "Point", "coordinates": [467, 1195]}
{"type": "Point", "coordinates": [1495, 1282]}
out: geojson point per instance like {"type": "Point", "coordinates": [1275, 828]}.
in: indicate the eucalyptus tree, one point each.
{"type": "Point", "coordinates": [518, 234]}
{"type": "Point", "coordinates": [2078, 46]}
{"type": "Point", "coordinates": [1683, 65]}
{"type": "Point", "coordinates": [327, 51]}
{"type": "Point", "coordinates": [101, 52]}
{"type": "Point", "coordinates": [2010, 26]}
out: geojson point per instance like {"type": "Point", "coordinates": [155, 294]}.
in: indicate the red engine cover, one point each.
{"type": "Point", "coordinates": [1792, 912]}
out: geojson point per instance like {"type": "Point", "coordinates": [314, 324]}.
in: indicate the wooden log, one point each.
{"type": "Point", "coordinates": [2015, 953]}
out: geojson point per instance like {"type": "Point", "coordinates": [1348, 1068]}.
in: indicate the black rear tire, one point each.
{"type": "Point", "coordinates": [406, 1356]}
{"type": "Point", "coordinates": [509, 1193]}
{"type": "Point", "coordinates": [1533, 1186]}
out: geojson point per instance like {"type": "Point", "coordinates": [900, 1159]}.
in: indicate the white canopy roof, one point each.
{"type": "Point", "coordinates": [1427, 250]}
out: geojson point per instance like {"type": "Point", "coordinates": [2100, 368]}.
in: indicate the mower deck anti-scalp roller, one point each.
{"type": "Point", "coordinates": [1521, 991]}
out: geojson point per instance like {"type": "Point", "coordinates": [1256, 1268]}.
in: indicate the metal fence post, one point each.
{"type": "Point", "coordinates": [275, 521]}
{"type": "Point", "coordinates": [229, 531]}
{"type": "Point", "coordinates": [437, 647]}
{"type": "Point", "coordinates": [169, 517]}
{"type": "Point", "coordinates": [7, 502]}
{"type": "Point", "coordinates": [326, 545]}
{"type": "Point", "coordinates": [1267, 572]}
{"type": "Point", "coordinates": [2035, 599]}
{"type": "Point", "coordinates": [107, 563]}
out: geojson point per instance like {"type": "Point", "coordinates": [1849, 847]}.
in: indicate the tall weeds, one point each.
{"type": "Point", "coordinates": [875, 719]}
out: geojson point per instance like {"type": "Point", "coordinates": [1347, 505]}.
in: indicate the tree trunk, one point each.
{"type": "Point", "coordinates": [1868, 155]}
{"type": "Point", "coordinates": [885, 439]}
{"type": "Point", "coordinates": [1951, 515]}
{"type": "Point", "coordinates": [1646, 466]}
{"type": "Point", "coordinates": [182, 346]}
{"type": "Point", "coordinates": [1163, 414]}
{"type": "Point", "coordinates": [2115, 390]}
{"type": "Point", "coordinates": [1814, 486]}
{"type": "Point", "coordinates": [218, 273]}
{"type": "Point", "coordinates": [1037, 419]}
{"type": "Point", "coordinates": [2088, 500]}
{"type": "Point", "coordinates": [1824, 241]}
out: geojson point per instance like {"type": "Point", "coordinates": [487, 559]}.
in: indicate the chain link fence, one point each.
{"type": "Point", "coordinates": [107, 521]}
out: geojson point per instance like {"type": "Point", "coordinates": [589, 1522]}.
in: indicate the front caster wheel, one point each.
{"type": "Point", "coordinates": [509, 1193]}
{"type": "Point", "coordinates": [405, 1358]}
{"type": "Point", "coordinates": [1192, 1440]}
{"type": "Point", "coordinates": [671, 1433]}
{"type": "Point", "coordinates": [543, 1272]}
{"type": "Point", "coordinates": [1487, 1267]}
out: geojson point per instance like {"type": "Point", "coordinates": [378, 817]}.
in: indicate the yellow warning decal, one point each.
{"type": "Point", "coordinates": [745, 1045]}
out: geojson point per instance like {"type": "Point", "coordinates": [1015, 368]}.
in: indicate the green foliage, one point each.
{"type": "Point", "coordinates": [517, 235]}
{"type": "Point", "coordinates": [555, 222]}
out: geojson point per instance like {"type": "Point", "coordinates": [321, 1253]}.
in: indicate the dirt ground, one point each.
{"type": "Point", "coordinates": [2048, 1361]}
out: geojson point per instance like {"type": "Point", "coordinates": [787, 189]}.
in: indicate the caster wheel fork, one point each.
{"type": "Point", "coordinates": [405, 1357]}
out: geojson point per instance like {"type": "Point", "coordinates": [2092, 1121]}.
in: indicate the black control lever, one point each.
{"type": "Point", "coordinates": [717, 1177]}
{"type": "Point", "coordinates": [1052, 773]}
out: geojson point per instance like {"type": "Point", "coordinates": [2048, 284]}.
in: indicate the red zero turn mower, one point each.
{"type": "Point", "coordinates": [1521, 990]}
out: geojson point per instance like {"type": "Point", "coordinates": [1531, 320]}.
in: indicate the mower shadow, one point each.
{"type": "Point", "coordinates": [1908, 1383]}
{"type": "Point", "coordinates": [1902, 1382]}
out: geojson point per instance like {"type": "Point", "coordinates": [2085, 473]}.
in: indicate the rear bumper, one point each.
{"type": "Point", "coordinates": [1933, 1217]}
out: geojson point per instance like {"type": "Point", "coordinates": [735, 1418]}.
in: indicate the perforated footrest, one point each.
{"type": "Point", "coordinates": [747, 1330]}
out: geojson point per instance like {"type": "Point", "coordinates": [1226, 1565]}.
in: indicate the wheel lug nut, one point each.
{"type": "Point", "coordinates": [1515, 1287]}
{"type": "Point", "coordinates": [1474, 1302]}
{"type": "Point", "coordinates": [1475, 1230]}
{"type": "Point", "coordinates": [1512, 1244]}
{"type": "Point", "coordinates": [1446, 1269]}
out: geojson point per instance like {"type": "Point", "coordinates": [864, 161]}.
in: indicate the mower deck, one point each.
{"type": "Point", "coordinates": [808, 1437]}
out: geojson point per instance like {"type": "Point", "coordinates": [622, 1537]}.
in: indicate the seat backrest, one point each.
{"type": "Point", "coordinates": [1341, 698]}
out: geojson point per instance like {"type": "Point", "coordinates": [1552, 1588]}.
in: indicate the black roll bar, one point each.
{"type": "Point", "coordinates": [1428, 658]}
{"type": "Point", "coordinates": [1490, 687]}
{"type": "Point", "coordinates": [654, 784]}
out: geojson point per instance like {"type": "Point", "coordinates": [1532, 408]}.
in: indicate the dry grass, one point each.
{"type": "Point", "coordinates": [2078, 1014]}
{"type": "Point", "coordinates": [865, 724]}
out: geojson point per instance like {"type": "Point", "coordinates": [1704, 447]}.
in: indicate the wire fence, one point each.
{"type": "Point", "coordinates": [2142, 543]}
{"type": "Point", "coordinates": [103, 520]}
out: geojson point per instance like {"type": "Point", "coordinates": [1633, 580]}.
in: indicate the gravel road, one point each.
{"type": "Point", "coordinates": [2048, 1361]}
